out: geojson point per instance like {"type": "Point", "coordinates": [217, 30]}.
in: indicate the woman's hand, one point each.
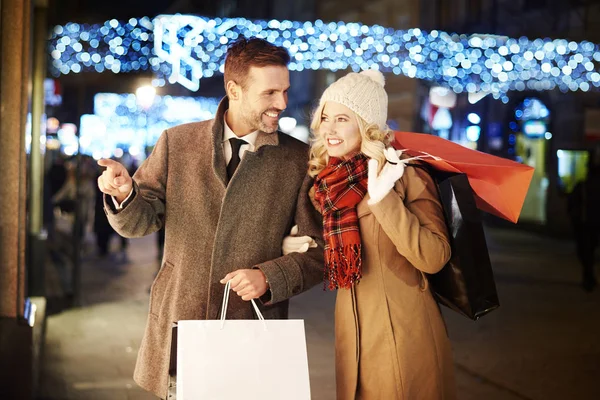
{"type": "Point", "coordinates": [296, 244]}
{"type": "Point", "coordinates": [380, 185]}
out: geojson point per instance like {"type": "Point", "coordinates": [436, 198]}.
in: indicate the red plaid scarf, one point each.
{"type": "Point", "coordinates": [338, 189]}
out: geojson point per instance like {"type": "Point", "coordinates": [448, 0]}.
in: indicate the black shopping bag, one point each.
{"type": "Point", "coordinates": [466, 283]}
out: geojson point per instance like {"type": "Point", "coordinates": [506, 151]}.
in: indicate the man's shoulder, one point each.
{"type": "Point", "coordinates": [292, 143]}
{"type": "Point", "coordinates": [185, 133]}
{"type": "Point", "coordinates": [191, 127]}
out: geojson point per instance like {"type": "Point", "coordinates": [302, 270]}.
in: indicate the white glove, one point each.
{"type": "Point", "coordinates": [380, 186]}
{"type": "Point", "coordinates": [297, 244]}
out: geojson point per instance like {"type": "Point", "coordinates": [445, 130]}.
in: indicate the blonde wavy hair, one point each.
{"type": "Point", "coordinates": [373, 142]}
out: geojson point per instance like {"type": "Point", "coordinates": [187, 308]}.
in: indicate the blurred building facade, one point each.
{"type": "Point", "coordinates": [553, 131]}
{"type": "Point", "coordinates": [18, 331]}
{"type": "Point", "coordinates": [403, 105]}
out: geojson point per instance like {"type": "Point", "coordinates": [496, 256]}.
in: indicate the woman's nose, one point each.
{"type": "Point", "coordinates": [326, 126]}
{"type": "Point", "coordinates": [326, 130]}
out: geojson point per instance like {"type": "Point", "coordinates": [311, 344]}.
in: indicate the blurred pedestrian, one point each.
{"type": "Point", "coordinates": [584, 211]}
{"type": "Point", "coordinates": [102, 228]}
{"type": "Point", "coordinates": [74, 197]}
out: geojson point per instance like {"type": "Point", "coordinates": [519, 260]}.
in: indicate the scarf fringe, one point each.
{"type": "Point", "coordinates": [343, 266]}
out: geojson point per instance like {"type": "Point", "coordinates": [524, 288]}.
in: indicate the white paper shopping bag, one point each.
{"type": "Point", "coordinates": [242, 359]}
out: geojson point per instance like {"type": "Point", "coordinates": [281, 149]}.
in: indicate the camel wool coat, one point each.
{"type": "Point", "coordinates": [391, 341]}
{"type": "Point", "coordinates": [213, 227]}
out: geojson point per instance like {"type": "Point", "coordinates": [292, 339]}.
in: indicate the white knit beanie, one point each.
{"type": "Point", "coordinates": [363, 93]}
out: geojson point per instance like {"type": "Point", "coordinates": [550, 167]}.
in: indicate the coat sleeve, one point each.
{"type": "Point", "coordinates": [297, 272]}
{"type": "Point", "coordinates": [144, 213]}
{"type": "Point", "coordinates": [412, 217]}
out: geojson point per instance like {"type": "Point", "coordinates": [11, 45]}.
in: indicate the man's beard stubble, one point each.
{"type": "Point", "coordinates": [256, 122]}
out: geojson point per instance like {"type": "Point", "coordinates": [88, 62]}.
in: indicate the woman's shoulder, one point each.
{"type": "Point", "coordinates": [416, 177]}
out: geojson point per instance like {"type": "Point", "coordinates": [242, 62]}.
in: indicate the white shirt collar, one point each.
{"type": "Point", "coordinates": [228, 134]}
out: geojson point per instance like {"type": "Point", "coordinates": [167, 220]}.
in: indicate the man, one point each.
{"type": "Point", "coordinates": [221, 223]}
{"type": "Point", "coordinates": [583, 205]}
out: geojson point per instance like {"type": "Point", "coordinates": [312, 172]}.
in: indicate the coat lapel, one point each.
{"type": "Point", "coordinates": [218, 156]}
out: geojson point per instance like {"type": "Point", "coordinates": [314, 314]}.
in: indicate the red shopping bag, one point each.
{"type": "Point", "coordinates": [500, 185]}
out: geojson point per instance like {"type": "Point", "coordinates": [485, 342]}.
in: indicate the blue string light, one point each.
{"type": "Point", "coordinates": [119, 120]}
{"type": "Point", "coordinates": [185, 49]}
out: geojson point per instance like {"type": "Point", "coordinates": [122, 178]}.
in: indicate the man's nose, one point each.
{"type": "Point", "coordinates": [281, 102]}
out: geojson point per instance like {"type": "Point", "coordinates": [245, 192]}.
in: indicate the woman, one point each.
{"type": "Point", "coordinates": [384, 230]}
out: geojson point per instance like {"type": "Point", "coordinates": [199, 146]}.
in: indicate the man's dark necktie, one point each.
{"type": "Point", "coordinates": [235, 156]}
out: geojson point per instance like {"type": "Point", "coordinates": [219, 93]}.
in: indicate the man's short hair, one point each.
{"type": "Point", "coordinates": [254, 52]}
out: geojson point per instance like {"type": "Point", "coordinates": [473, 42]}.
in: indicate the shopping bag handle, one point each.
{"type": "Point", "coordinates": [226, 302]}
{"type": "Point", "coordinates": [425, 155]}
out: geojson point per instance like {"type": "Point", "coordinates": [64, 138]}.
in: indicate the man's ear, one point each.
{"type": "Point", "coordinates": [234, 91]}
